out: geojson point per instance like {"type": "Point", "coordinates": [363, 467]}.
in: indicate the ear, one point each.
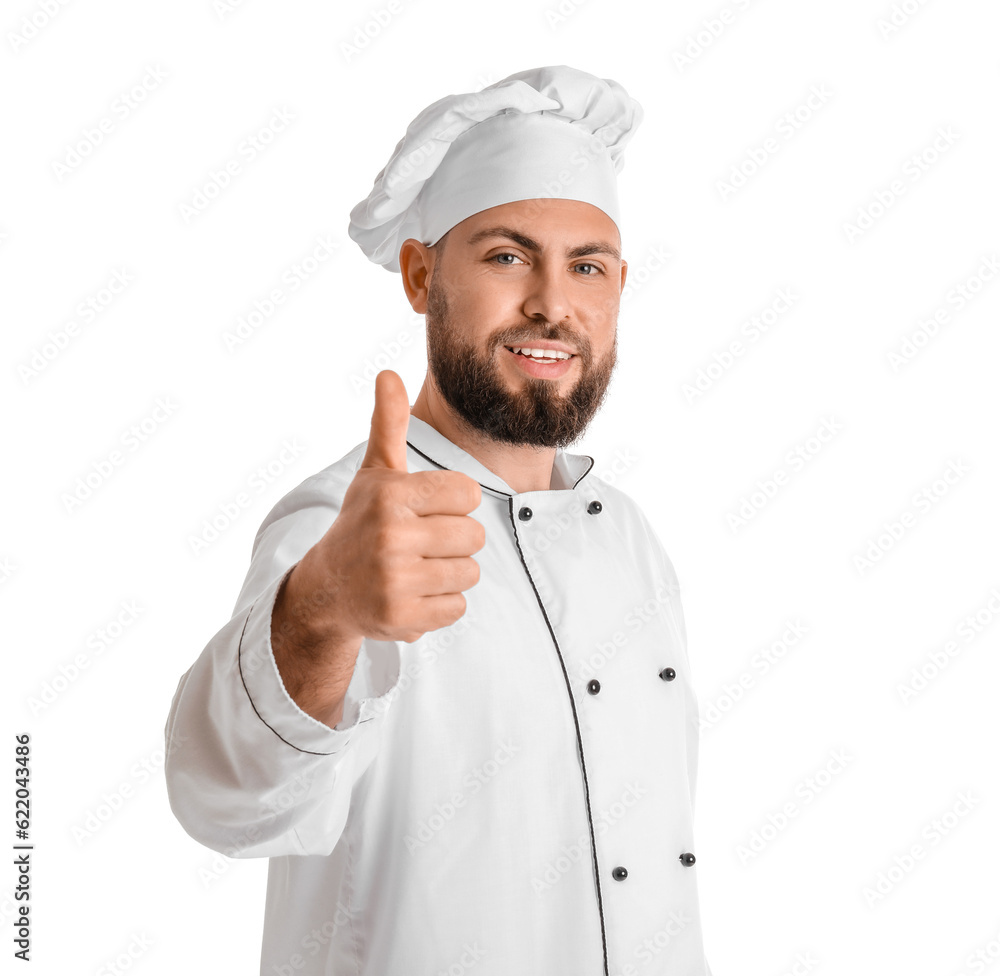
{"type": "Point", "coordinates": [416, 262]}
{"type": "Point", "coordinates": [624, 274]}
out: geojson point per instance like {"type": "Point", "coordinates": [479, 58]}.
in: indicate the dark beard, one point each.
{"type": "Point", "coordinates": [535, 415]}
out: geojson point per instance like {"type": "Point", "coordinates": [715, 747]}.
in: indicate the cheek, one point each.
{"type": "Point", "coordinates": [474, 295]}
{"type": "Point", "coordinates": [487, 309]}
{"type": "Point", "coordinates": [611, 302]}
{"type": "Point", "coordinates": [603, 320]}
{"type": "Point", "coordinates": [606, 349]}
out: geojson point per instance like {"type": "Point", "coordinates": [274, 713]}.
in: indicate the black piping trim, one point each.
{"type": "Point", "coordinates": [510, 512]}
{"type": "Point", "coordinates": [585, 473]}
{"type": "Point", "coordinates": [497, 491]}
{"type": "Point", "coordinates": [576, 722]}
{"type": "Point", "coordinates": [444, 467]}
{"type": "Point", "coordinates": [239, 662]}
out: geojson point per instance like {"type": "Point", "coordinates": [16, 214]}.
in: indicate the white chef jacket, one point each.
{"type": "Point", "coordinates": [475, 808]}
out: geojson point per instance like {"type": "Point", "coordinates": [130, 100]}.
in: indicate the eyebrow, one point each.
{"type": "Point", "coordinates": [580, 251]}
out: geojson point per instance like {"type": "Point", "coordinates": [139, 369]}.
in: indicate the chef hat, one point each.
{"type": "Point", "coordinates": [545, 132]}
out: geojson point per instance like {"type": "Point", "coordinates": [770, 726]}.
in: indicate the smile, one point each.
{"type": "Point", "coordinates": [544, 355]}
{"type": "Point", "coordinates": [545, 363]}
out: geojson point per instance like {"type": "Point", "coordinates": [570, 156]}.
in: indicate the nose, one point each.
{"type": "Point", "coordinates": [547, 294]}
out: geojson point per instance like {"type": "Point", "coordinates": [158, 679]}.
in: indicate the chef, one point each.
{"type": "Point", "coordinates": [453, 705]}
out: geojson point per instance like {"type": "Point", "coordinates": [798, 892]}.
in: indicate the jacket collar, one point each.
{"type": "Point", "coordinates": [567, 469]}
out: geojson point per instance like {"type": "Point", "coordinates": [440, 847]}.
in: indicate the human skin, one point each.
{"type": "Point", "coordinates": [396, 560]}
{"type": "Point", "coordinates": [498, 285]}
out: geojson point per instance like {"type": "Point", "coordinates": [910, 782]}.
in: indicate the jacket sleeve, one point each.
{"type": "Point", "coordinates": [249, 773]}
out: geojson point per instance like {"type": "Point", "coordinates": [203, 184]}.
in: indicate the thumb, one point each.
{"type": "Point", "coordinates": [390, 418]}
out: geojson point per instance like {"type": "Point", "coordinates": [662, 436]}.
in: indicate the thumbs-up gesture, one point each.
{"type": "Point", "coordinates": [404, 541]}
{"type": "Point", "coordinates": [392, 566]}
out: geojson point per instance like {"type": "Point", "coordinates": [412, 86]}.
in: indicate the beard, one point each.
{"type": "Point", "coordinates": [535, 414]}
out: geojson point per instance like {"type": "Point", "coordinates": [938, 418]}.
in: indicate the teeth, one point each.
{"type": "Point", "coordinates": [541, 353]}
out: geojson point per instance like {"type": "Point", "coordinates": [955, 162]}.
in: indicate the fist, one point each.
{"type": "Point", "coordinates": [401, 548]}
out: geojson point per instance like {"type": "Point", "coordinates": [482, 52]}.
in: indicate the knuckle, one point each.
{"type": "Point", "coordinates": [381, 539]}
{"type": "Point", "coordinates": [419, 491]}
{"type": "Point", "coordinates": [385, 542]}
{"type": "Point", "coordinates": [433, 482]}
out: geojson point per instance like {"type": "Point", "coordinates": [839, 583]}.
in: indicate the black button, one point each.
{"type": "Point", "coordinates": [687, 860]}
{"type": "Point", "coordinates": [594, 507]}
{"type": "Point", "coordinates": [593, 686]}
{"type": "Point", "coordinates": [619, 874]}
{"type": "Point", "coordinates": [668, 674]}
{"type": "Point", "coordinates": [524, 514]}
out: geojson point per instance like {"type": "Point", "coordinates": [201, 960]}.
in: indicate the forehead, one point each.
{"type": "Point", "coordinates": [544, 220]}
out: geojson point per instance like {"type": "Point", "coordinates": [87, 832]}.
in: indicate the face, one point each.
{"type": "Point", "coordinates": [540, 275]}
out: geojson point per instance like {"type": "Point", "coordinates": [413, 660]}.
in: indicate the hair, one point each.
{"type": "Point", "coordinates": [438, 249]}
{"type": "Point", "coordinates": [439, 245]}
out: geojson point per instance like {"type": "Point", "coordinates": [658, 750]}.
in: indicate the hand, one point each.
{"type": "Point", "coordinates": [400, 551]}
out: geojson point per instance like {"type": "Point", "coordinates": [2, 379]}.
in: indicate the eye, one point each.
{"type": "Point", "coordinates": [505, 254]}
{"type": "Point", "coordinates": [597, 268]}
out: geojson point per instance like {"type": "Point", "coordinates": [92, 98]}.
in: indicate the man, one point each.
{"type": "Point", "coordinates": [453, 705]}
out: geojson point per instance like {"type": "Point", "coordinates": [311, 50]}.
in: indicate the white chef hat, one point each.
{"type": "Point", "coordinates": [545, 132]}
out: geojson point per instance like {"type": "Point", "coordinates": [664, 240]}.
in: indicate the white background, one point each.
{"type": "Point", "coordinates": [792, 897]}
